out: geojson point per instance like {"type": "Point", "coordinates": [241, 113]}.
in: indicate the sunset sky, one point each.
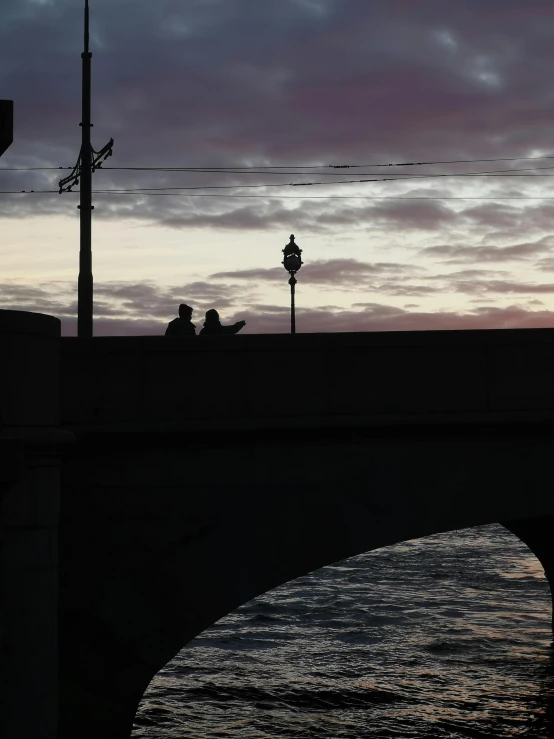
{"type": "Point", "coordinates": [286, 83]}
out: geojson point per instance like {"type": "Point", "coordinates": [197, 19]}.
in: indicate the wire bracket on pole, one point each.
{"type": "Point", "coordinates": [96, 159]}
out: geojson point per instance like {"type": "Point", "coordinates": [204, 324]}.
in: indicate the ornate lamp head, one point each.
{"type": "Point", "coordinates": [292, 261]}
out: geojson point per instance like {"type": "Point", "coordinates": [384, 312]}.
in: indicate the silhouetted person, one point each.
{"type": "Point", "coordinates": [182, 326]}
{"type": "Point", "coordinates": [213, 327]}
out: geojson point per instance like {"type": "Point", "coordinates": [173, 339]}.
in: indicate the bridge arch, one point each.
{"type": "Point", "coordinates": [158, 543]}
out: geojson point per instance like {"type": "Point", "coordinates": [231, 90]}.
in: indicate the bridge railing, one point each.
{"type": "Point", "coordinates": [254, 378]}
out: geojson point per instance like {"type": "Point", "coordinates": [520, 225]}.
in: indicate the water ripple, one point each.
{"type": "Point", "coordinates": [446, 637]}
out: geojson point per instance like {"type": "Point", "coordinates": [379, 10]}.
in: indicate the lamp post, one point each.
{"type": "Point", "coordinates": [292, 263]}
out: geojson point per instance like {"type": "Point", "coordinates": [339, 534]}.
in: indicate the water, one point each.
{"type": "Point", "coordinates": [447, 636]}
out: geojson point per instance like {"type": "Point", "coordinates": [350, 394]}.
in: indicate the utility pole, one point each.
{"type": "Point", "coordinates": [89, 160]}
{"type": "Point", "coordinates": [6, 125]}
{"type": "Point", "coordinates": [85, 282]}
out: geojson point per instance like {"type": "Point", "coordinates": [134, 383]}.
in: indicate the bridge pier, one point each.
{"type": "Point", "coordinates": [102, 680]}
{"type": "Point", "coordinates": [29, 513]}
{"type": "Point", "coordinates": [538, 535]}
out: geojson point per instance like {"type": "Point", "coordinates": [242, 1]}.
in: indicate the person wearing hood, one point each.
{"type": "Point", "coordinates": [183, 325]}
{"type": "Point", "coordinates": [213, 327]}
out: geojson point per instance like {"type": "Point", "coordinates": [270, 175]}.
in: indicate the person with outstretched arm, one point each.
{"type": "Point", "coordinates": [213, 327]}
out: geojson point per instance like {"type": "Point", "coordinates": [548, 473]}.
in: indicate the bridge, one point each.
{"type": "Point", "coordinates": [152, 485]}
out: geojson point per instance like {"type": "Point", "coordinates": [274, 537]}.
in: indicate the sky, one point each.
{"type": "Point", "coordinates": [250, 86]}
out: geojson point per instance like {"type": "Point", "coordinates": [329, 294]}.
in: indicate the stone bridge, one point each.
{"type": "Point", "coordinates": [152, 485]}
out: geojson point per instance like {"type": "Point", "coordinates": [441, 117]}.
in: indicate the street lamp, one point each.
{"type": "Point", "coordinates": [292, 263]}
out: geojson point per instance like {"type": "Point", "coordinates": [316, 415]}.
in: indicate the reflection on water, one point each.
{"type": "Point", "coordinates": [447, 636]}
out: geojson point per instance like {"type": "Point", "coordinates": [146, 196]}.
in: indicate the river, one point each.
{"type": "Point", "coordinates": [443, 637]}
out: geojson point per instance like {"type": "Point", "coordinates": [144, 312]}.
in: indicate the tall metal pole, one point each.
{"type": "Point", "coordinates": [292, 283]}
{"type": "Point", "coordinates": [85, 282]}
{"type": "Point", "coordinates": [89, 161]}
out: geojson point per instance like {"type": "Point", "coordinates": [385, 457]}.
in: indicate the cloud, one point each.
{"type": "Point", "coordinates": [494, 215]}
{"type": "Point", "coordinates": [378, 317]}
{"type": "Point", "coordinates": [460, 253]}
{"type": "Point", "coordinates": [137, 306]}
{"type": "Point", "coordinates": [412, 215]}
{"type": "Point", "coordinates": [468, 274]}
{"type": "Point", "coordinates": [546, 264]}
{"type": "Point", "coordinates": [369, 318]}
{"type": "Point", "coordinates": [283, 82]}
{"type": "Point", "coordinates": [500, 287]}
{"type": "Point", "coordinates": [54, 301]}
{"type": "Point", "coordinates": [126, 309]}
{"type": "Point", "coordinates": [336, 273]}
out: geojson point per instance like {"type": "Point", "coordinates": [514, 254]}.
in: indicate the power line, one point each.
{"type": "Point", "coordinates": [331, 197]}
{"type": "Point", "coordinates": [293, 166]}
{"type": "Point", "coordinates": [30, 169]}
{"type": "Point", "coordinates": [451, 161]}
{"type": "Point", "coordinates": [285, 197]}
{"type": "Point", "coordinates": [332, 182]}
{"type": "Point", "coordinates": [152, 190]}
{"type": "Point", "coordinates": [408, 177]}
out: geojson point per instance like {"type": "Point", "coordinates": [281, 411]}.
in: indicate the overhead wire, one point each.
{"type": "Point", "coordinates": [333, 182]}
{"type": "Point", "coordinates": [285, 197]}
{"type": "Point", "coordinates": [333, 197]}
{"type": "Point", "coordinates": [297, 166]}
{"type": "Point", "coordinates": [519, 172]}
{"type": "Point", "coordinates": [406, 175]}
